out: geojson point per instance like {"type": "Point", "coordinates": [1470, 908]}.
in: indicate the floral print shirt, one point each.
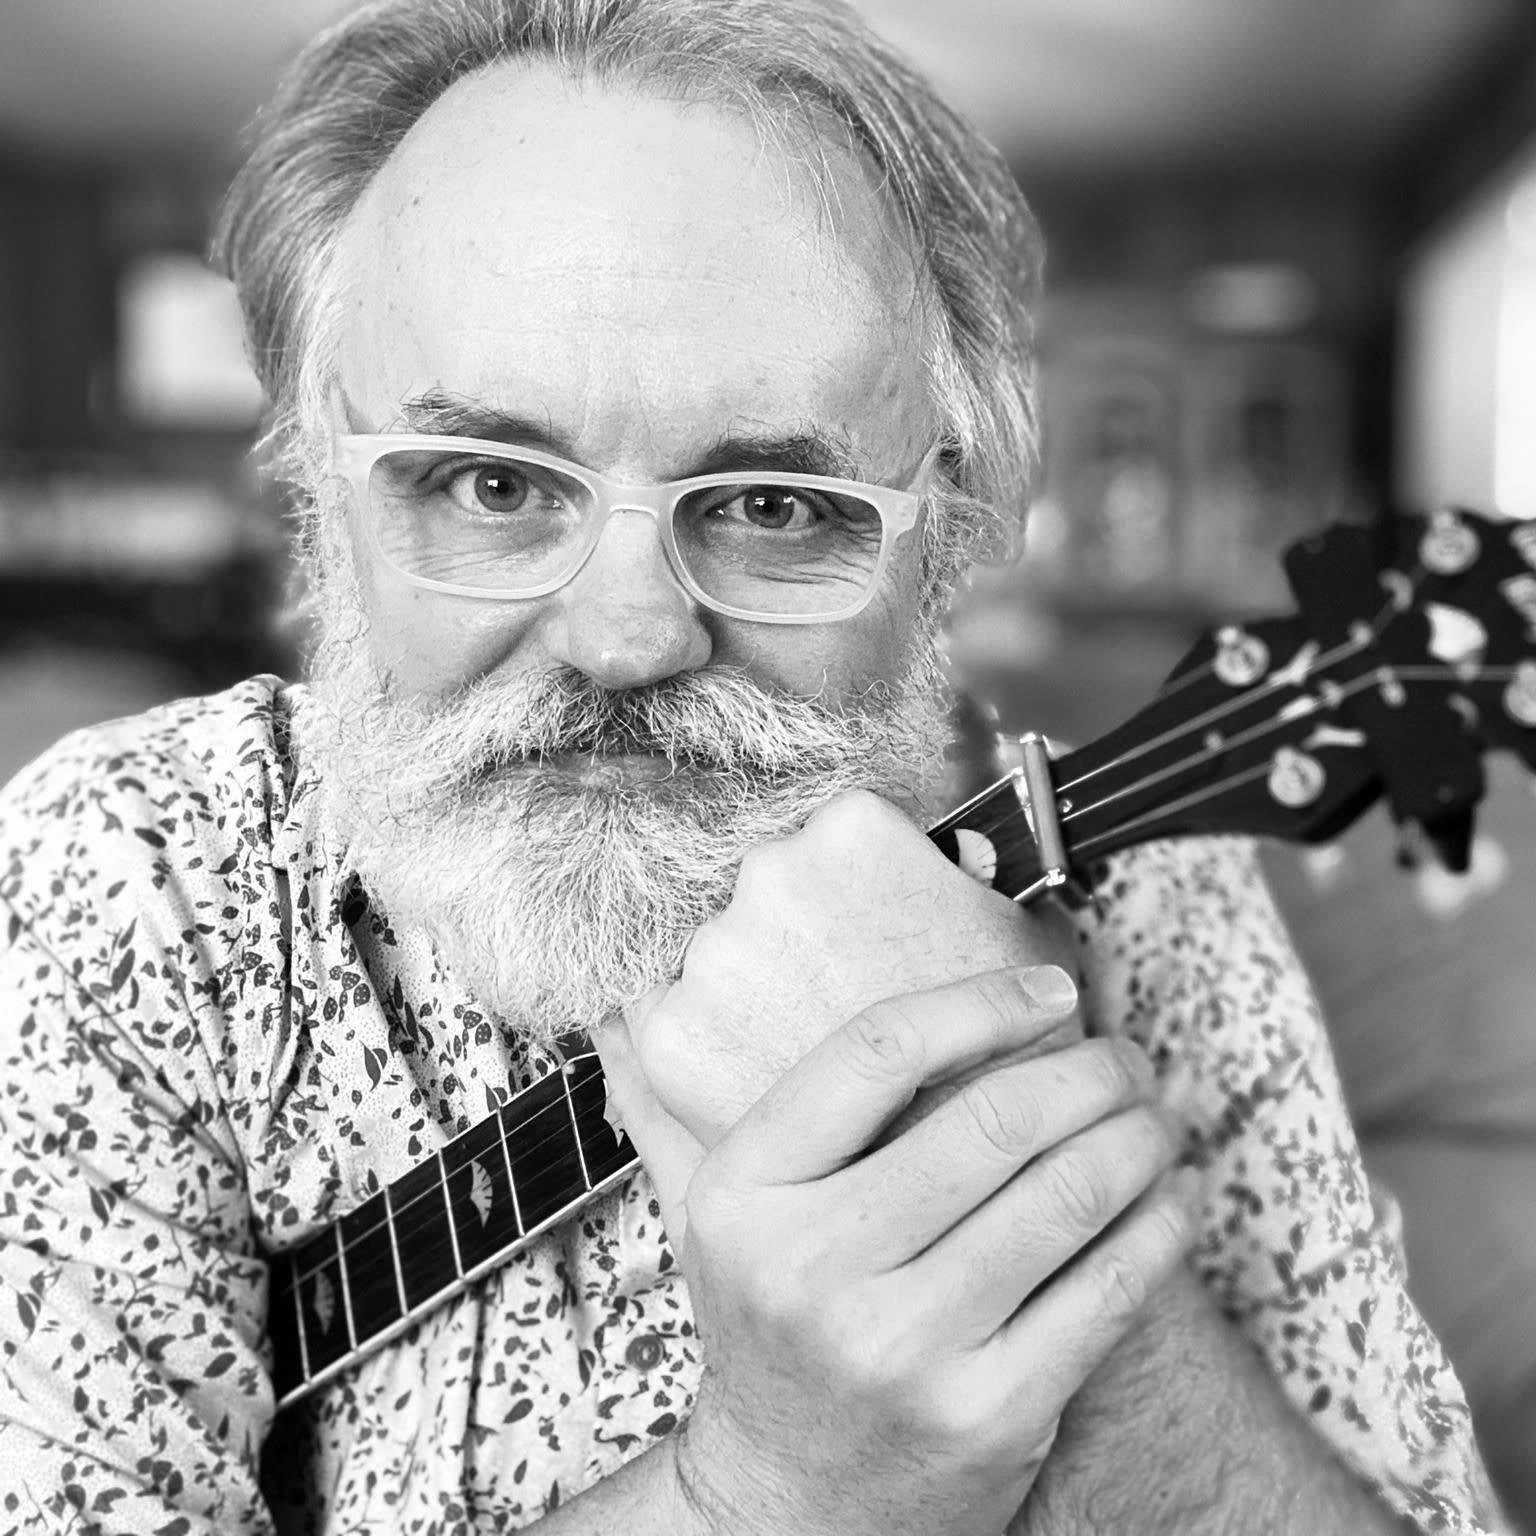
{"type": "Point", "coordinates": [214, 1046]}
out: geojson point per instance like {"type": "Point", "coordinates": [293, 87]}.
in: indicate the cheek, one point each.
{"type": "Point", "coordinates": [880, 640]}
{"type": "Point", "coordinates": [430, 643]}
{"type": "Point", "coordinates": [843, 659]}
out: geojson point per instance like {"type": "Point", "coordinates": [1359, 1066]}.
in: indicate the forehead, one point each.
{"type": "Point", "coordinates": [641, 273]}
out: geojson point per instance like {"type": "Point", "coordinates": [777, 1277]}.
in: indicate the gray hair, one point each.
{"type": "Point", "coordinates": [792, 66]}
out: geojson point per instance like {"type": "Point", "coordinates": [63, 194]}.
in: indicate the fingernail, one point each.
{"type": "Point", "coordinates": [1050, 988]}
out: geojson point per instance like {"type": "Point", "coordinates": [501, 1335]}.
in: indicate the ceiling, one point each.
{"type": "Point", "coordinates": [1061, 84]}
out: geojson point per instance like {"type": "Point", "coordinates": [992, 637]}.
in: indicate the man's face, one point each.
{"type": "Point", "coordinates": [642, 281]}
{"type": "Point", "coordinates": [560, 789]}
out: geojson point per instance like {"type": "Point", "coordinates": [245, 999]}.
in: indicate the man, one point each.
{"type": "Point", "coordinates": [589, 747]}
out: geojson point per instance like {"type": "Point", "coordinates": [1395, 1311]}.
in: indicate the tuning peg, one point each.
{"type": "Point", "coordinates": [1241, 658]}
{"type": "Point", "coordinates": [1451, 838]}
{"type": "Point", "coordinates": [1447, 841]}
{"type": "Point", "coordinates": [1523, 537]}
{"type": "Point", "coordinates": [1449, 545]}
{"type": "Point", "coordinates": [1520, 696]}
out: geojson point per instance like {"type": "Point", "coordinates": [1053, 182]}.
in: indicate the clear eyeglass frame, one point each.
{"type": "Point", "coordinates": [354, 455]}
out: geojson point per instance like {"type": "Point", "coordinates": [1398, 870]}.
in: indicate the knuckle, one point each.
{"type": "Point", "coordinates": [1078, 1189]}
{"type": "Point", "coordinates": [776, 1295]}
{"type": "Point", "coordinates": [765, 1295]}
{"type": "Point", "coordinates": [934, 1410]}
{"type": "Point", "coordinates": [856, 819]}
{"type": "Point", "coordinates": [664, 1059]}
{"type": "Point", "coordinates": [885, 1042]}
{"type": "Point", "coordinates": [1098, 1067]}
{"type": "Point", "coordinates": [1005, 1115]}
{"type": "Point", "coordinates": [1123, 1283]}
{"type": "Point", "coordinates": [708, 950]}
{"type": "Point", "coordinates": [799, 1261]}
{"type": "Point", "coordinates": [1002, 1002]}
{"type": "Point", "coordinates": [667, 1050]}
{"type": "Point", "coordinates": [1174, 1227]}
{"type": "Point", "coordinates": [1129, 1064]}
{"type": "Point", "coordinates": [712, 1211]}
{"type": "Point", "coordinates": [968, 1409]}
{"type": "Point", "coordinates": [1156, 1138]}
{"type": "Point", "coordinates": [868, 1355]}
{"type": "Point", "coordinates": [761, 867]}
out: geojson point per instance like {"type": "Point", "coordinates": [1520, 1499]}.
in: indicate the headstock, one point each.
{"type": "Point", "coordinates": [1413, 652]}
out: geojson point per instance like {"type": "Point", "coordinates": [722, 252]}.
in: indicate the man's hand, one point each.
{"type": "Point", "coordinates": [893, 1330]}
{"type": "Point", "coordinates": [857, 907]}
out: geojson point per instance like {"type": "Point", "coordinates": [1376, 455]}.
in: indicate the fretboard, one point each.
{"type": "Point", "coordinates": [363, 1281]}
{"type": "Point", "coordinates": [350, 1289]}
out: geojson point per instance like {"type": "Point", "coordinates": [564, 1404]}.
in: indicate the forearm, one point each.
{"type": "Point", "coordinates": [1182, 1430]}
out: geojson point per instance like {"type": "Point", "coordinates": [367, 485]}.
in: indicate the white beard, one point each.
{"type": "Point", "coordinates": [555, 900]}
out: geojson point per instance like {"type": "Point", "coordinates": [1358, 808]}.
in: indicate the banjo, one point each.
{"type": "Point", "coordinates": [1412, 653]}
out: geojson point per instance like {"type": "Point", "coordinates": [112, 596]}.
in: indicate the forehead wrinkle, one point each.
{"type": "Point", "coordinates": [828, 198]}
{"type": "Point", "coordinates": [831, 348]}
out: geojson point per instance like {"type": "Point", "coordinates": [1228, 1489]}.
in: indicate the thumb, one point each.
{"type": "Point", "coordinates": [668, 1150]}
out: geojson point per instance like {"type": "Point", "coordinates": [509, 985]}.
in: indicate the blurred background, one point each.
{"type": "Point", "coordinates": [1292, 280]}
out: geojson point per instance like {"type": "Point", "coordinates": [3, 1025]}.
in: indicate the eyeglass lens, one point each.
{"type": "Point", "coordinates": [503, 523]}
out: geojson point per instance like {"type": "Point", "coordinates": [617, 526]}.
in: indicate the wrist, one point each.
{"type": "Point", "coordinates": [697, 1506]}
{"type": "Point", "coordinates": [694, 1503]}
{"type": "Point", "coordinates": [723, 1488]}
{"type": "Point", "coordinates": [704, 1503]}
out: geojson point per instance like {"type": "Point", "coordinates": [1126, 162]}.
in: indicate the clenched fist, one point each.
{"type": "Point", "coordinates": [856, 907]}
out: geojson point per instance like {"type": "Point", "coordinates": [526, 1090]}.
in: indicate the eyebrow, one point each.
{"type": "Point", "coordinates": [802, 450]}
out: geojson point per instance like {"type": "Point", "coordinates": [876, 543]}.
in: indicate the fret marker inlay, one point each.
{"type": "Point", "coordinates": [978, 857]}
{"type": "Point", "coordinates": [324, 1301]}
{"type": "Point", "coordinates": [480, 1192]}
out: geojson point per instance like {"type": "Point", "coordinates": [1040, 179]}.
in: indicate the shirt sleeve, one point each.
{"type": "Point", "coordinates": [134, 1395]}
{"type": "Point", "coordinates": [1190, 957]}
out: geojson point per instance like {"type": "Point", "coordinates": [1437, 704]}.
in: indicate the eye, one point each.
{"type": "Point", "coordinates": [490, 488]}
{"type": "Point", "coordinates": [775, 508]}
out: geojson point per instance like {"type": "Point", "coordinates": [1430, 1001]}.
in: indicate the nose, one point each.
{"type": "Point", "coordinates": [624, 619]}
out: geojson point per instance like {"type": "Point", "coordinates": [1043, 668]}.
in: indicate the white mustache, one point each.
{"type": "Point", "coordinates": [718, 721]}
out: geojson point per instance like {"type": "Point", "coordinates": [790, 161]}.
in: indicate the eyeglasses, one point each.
{"type": "Point", "coordinates": [480, 519]}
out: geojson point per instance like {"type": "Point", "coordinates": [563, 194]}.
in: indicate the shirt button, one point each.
{"type": "Point", "coordinates": [644, 1353]}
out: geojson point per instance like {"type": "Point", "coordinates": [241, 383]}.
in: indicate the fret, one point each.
{"type": "Point", "coordinates": [541, 1146]}
{"type": "Point", "coordinates": [499, 1120]}
{"type": "Point", "coordinates": [480, 1193]}
{"type": "Point", "coordinates": [319, 1290]}
{"type": "Point", "coordinates": [570, 1109]}
{"type": "Point", "coordinates": [603, 1153]}
{"type": "Point", "coordinates": [374, 1284]}
{"type": "Point", "coordinates": [423, 1230]}
{"type": "Point", "coordinates": [453, 1230]}
{"type": "Point", "coordinates": [298, 1323]}
{"type": "Point", "coordinates": [346, 1288]}
{"type": "Point", "coordinates": [394, 1250]}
